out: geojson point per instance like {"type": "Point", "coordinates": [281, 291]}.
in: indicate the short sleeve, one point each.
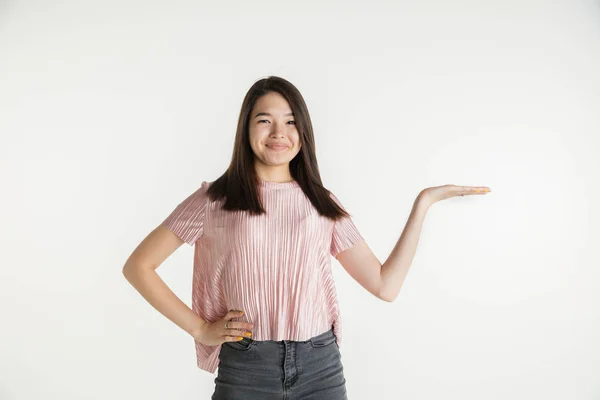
{"type": "Point", "coordinates": [345, 233]}
{"type": "Point", "coordinates": [187, 219]}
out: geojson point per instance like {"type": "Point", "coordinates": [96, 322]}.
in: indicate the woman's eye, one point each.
{"type": "Point", "coordinates": [266, 120]}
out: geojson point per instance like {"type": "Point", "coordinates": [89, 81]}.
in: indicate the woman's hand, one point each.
{"type": "Point", "coordinates": [434, 194]}
{"type": "Point", "coordinates": [215, 333]}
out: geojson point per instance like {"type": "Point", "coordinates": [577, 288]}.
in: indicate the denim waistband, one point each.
{"type": "Point", "coordinates": [324, 335]}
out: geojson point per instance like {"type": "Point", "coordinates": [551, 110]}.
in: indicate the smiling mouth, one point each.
{"type": "Point", "coordinates": [277, 148]}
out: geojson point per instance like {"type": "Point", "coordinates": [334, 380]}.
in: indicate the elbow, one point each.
{"type": "Point", "coordinates": [135, 267]}
{"type": "Point", "coordinates": [383, 295]}
{"type": "Point", "coordinates": [387, 299]}
{"type": "Point", "coordinates": [130, 269]}
{"type": "Point", "coordinates": [387, 296]}
{"type": "Point", "coordinates": [127, 271]}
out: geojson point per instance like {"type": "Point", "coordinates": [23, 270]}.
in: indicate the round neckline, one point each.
{"type": "Point", "coordinates": [278, 185]}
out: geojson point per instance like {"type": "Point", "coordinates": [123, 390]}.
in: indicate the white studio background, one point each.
{"type": "Point", "coordinates": [113, 112]}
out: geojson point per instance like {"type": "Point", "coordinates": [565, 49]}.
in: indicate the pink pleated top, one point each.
{"type": "Point", "coordinates": [275, 267]}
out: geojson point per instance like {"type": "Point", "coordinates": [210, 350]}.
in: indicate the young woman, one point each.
{"type": "Point", "coordinates": [264, 305]}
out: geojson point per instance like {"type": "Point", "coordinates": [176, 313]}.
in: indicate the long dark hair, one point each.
{"type": "Point", "coordinates": [238, 185]}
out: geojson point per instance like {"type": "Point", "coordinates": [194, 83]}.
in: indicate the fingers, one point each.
{"type": "Point", "coordinates": [236, 324]}
{"type": "Point", "coordinates": [233, 338]}
{"type": "Point", "coordinates": [235, 333]}
{"type": "Point", "coordinates": [470, 190]}
{"type": "Point", "coordinates": [479, 191]}
{"type": "Point", "coordinates": [233, 314]}
{"type": "Point", "coordinates": [240, 325]}
{"type": "Point", "coordinates": [236, 330]}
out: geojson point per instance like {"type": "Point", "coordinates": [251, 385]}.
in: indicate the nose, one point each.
{"type": "Point", "coordinates": [278, 129]}
{"type": "Point", "coordinates": [277, 133]}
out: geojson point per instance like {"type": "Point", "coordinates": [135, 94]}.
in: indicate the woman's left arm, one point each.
{"type": "Point", "coordinates": [385, 281]}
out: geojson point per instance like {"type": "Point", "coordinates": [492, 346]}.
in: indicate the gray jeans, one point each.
{"type": "Point", "coordinates": [285, 369]}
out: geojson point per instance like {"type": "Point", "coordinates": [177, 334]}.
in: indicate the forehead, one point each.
{"type": "Point", "coordinates": [272, 103]}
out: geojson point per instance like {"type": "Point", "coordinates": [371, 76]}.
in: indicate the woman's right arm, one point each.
{"type": "Point", "coordinates": [140, 271]}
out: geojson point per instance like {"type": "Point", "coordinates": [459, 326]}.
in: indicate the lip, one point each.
{"type": "Point", "coordinates": [277, 147]}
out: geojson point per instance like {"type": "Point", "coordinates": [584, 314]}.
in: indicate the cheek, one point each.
{"type": "Point", "coordinates": [255, 138]}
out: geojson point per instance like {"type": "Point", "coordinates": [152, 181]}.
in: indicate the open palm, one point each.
{"type": "Point", "coordinates": [437, 193]}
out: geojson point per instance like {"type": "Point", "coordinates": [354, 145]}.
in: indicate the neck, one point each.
{"type": "Point", "coordinates": [275, 174]}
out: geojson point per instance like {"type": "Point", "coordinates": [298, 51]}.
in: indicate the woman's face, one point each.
{"type": "Point", "coordinates": [273, 135]}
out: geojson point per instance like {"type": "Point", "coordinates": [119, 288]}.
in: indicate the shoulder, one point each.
{"type": "Point", "coordinates": [196, 199]}
{"type": "Point", "coordinates": [335, 198]}
{"type": "Point", "coordinates": [201, 191]}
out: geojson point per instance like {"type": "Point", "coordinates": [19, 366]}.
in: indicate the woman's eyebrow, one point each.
{"type": "Point", "coordinates": [269, 115]}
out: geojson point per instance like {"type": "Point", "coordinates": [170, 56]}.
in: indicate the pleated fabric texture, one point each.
{"type": "Point", "coordinates": [275, 267]}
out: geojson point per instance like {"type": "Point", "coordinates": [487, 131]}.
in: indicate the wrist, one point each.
{"type": "Point", "coordinates": [197, 328]}
{"type": "Point", "coordinates": [423, 201]}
